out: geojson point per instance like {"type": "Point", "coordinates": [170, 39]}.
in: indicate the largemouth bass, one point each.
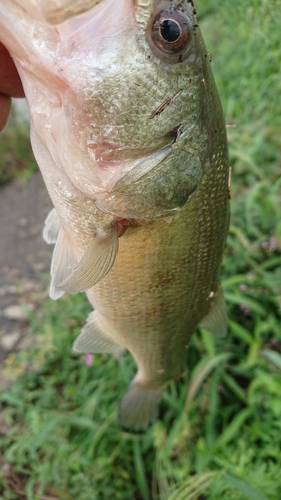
{"type": "Point", "coordinates": [128, 131]}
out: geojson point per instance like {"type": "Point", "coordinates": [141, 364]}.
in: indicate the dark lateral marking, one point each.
{"type": "Point", "coordinates": [165, 104]}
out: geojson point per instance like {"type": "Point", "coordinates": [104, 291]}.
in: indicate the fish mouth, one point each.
{"type": "Point", "coordinates": [90, 20]}
{"type": "Point", "coordinates": [65, 10]}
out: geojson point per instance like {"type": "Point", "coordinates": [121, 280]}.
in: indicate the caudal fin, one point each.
{"type": "Point", "coordinates": [139, 406]}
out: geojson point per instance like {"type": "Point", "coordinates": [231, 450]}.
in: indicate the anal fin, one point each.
{"type": "Point", "coordinates": [94, 265]}
{"type": "Point", "coordinates": [52, 227]}
{"type": "Point", "coordinates": [139, 406]}
{"type": "Point", "coordinates": [216, 320]}
{"type": "Point", "coordinates": [63, 263]}
{"type": "Point", "coordinates": [92, 338]}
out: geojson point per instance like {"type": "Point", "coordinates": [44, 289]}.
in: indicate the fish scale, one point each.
{"type": "Point", "coordinates": [128, 131]}
{"type": "Point", "coordinates": [195, 276]}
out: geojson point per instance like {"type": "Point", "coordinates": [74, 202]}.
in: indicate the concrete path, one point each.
{"type": "Point", "coordinates": [24, 257]}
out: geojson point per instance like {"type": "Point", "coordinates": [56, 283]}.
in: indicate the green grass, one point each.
{"type": "Point", "coordinates": [219, 435]}
{"type": "Point", "coordinates": [17, 160]}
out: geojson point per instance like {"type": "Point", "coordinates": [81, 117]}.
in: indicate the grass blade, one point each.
{"type": "Point", "coordinates": [140, 471]}
{"type": "Point", "coordinates": [243, 486]}
{"type": "Point", "coordinates": [245, 301]}
{"type": "Point", "coordinates": [201, 374]}
{"type": "Point", "coordinates": [194, 486]}
{"type": "Point", "coordinates": [273, 356]}
{"type": "Point", "coordinates": [233, 428]}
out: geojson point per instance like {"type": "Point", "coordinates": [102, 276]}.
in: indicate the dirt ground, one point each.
{"type": "Point", "coordinates": [24, 257]}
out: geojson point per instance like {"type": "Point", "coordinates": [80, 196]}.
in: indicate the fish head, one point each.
{"type": "Point", "coordinates": [128, 102]}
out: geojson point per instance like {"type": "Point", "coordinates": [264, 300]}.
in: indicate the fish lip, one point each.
{"type": "Point", "coordinates": [71, 13]}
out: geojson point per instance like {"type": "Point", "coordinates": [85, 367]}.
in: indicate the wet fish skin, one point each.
{"type": "Point", "coordinates": [140, 187]}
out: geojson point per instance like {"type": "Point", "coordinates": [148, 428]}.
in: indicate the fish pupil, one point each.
{"type": "Point", "coordinates": [170, 30]}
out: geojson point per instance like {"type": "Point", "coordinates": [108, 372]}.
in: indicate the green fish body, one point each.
{"type": "Point", "coordinates": [128, 131]}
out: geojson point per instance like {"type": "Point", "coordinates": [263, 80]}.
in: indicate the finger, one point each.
{"type": "Point", "coordinates": [10, 82]}
{"type": "Point", "coordinates": [5, 106]}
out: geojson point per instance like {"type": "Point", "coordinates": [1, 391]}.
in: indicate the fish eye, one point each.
{"type": "Point", "coordinates": [169, 32]}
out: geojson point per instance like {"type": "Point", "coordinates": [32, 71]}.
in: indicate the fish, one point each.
{"type": "Point", "coordinates": [128, 130]}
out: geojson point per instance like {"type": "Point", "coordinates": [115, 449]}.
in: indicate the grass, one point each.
{"type": "Point", "coordinates": [17, 160]}
{"type": "Point", "coordinates": [219, 432]}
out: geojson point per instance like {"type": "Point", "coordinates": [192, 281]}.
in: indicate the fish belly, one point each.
{"type": "Point", "coordinates": [157, 291]}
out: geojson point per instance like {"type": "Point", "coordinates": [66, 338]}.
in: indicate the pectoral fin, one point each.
{"type": "Point", "coordinates": [94, 265]}
{"type": "Point", "coordinates": [216, 320]}
{"type": "Point", "coordinates": [52, 227]}
{"type": "Point", "coordinates": [63, 263]}
{"type": "Point", "coordinates": [92, 338]}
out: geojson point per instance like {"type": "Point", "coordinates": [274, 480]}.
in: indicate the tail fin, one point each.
{"type": "Point", "coordinates": [139, 406]}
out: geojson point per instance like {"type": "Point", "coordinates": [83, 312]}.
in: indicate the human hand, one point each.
{"type": "Point", "coordinates": [10, 84]}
